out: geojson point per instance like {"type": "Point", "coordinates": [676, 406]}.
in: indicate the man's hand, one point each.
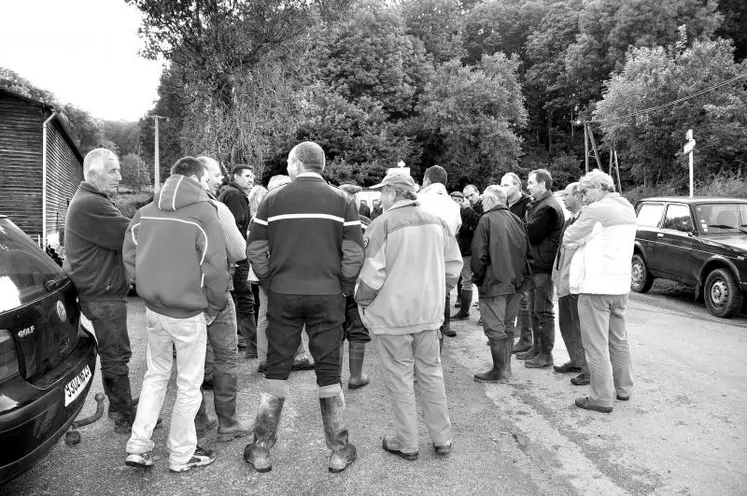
{"type": "Point", "coordinates": [209, 319]}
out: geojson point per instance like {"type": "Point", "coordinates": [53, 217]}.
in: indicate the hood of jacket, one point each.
{"type": "Point", "coordinates": [178, 192]}
{"type": "Point", "coordinates": [434, 189]}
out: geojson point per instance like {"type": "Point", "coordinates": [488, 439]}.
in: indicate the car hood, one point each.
{"type": "Point", "coordinates": [737, 241]}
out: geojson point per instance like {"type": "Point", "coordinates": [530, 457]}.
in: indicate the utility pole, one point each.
{"type": "Point", "coordinates": [157, 174]}
{"type": "Point", "coordinates": [689, 147]}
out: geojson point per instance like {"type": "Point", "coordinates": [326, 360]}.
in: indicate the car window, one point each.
{"type": "Point", "coordinates": [649, 214]}
{"type": "Point", "coordinates": [24, 268]}
{"type": "Point", "coordinates": [678, 218]}
{"type": "Point", "coordinates": [718, 218]}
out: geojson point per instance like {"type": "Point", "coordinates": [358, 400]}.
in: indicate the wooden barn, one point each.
{"type": "Point", "coordinates": [40, 167]}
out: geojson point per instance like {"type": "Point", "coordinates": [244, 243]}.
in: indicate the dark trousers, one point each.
{"type": "Point", "coordinates": [543, 313]}
{"type": "Point", "coordinates": [353, 328]}
{"type": "Point", "coordinates": [323, 316]}
{"type": "Point", "coordinates": [570, 329]}
{"type": "Point", "coordinates": [243, 298]}
{"type": "Point", "coordinates": [109, 320]}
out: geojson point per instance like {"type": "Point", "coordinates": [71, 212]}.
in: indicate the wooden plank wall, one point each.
{"type": "Point", "coordinates": [64, 174]}
{"type": "Point", "coordinates": [21, 163]}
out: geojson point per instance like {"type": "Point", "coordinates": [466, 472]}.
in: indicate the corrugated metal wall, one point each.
{"type": "Point", "coordinates": [64, 174]}
{"type": "Point", "coordinates": [21, 163]}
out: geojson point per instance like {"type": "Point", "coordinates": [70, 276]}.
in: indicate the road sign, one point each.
{"type": "Point", "coordinates": [689, 146]}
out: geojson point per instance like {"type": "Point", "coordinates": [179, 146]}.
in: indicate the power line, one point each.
{"type": "Point", "coordinates": [674, 102]}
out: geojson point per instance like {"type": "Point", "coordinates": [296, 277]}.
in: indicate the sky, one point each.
{"type": "Point", "coordinates": [83, 51]}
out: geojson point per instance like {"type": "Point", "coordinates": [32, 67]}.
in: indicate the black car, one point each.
{"type": "Point", "coordinates": [699, 241]}
{"type": "Point", "coordinates": [47, 358]}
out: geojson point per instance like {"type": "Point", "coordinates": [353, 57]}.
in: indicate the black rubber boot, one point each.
{"type": "Point", "coordinates": [446, 327]}
{"type": "Point", "coordinates": [203, 422]}
{"type": "Point", "coordinates": [547, 343]}
{"type": "Point", "coordinates": [534, 350]}
{"type": "Point", "coordinates": [356, 354]}
{"type": "Point", "coordinates": [229, 425]}
{"type": "Point", "coordinates": [247, 328]}
{"type": "Point", "coordinates": [498, 374]}
{"type": "Point", "coordinates": [509, 349]}
{"type": "Point", "coordinates": [336, 433]}
{"type": "Point", "coordinates": [465, 300]}
{"type": "Point", "coordinates": [257, 453]}
{"type": "Point", "coordinates": [120, 395]}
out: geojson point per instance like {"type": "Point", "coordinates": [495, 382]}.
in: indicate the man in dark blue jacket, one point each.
{"type": "Point", "coordinates": [544, 221]}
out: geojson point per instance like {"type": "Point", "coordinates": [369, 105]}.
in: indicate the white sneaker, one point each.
{"type": "Point", "coordinates": [140, 460]}
{"type": "Point", "coordinates": [200, 458]}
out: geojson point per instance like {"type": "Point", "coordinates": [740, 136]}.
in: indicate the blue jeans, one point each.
{"type": "Point", "coordinates": [543, 313]}
{"type": "Point", "coordinates": [109, 320]}
{"type": "Point", "coordinates": [222, 356]}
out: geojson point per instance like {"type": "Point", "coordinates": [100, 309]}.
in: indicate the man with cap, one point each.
{"type": "Point", "coordinates": [306, 248]}
{"type": "Point", "coordinates": [412, 261]}
{"type": "Point", "coordinates": [354, 330]}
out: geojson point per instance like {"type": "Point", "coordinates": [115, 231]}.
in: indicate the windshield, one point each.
{"type": "Point", "coordinates": [24, 268]}
{"type": "Point", "coordinates": [722, 218]}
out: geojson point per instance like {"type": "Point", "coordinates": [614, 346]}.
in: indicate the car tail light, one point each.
{"type": "Point", "coordinates": [8, 355]}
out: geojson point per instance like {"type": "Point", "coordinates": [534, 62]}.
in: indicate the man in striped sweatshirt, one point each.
{"type": "Point", "coordinates": [306, 247]}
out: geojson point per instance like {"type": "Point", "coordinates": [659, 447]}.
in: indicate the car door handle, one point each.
{"type": "Point", "coordinates": [659, 235]}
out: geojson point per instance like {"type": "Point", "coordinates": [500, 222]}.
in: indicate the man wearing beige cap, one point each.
{"type": "Point", "coordinates": [412, 259]}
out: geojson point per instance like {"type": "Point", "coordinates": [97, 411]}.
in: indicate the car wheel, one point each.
{"type": "Point", "coordinates": [723, 297]}
{"type": "Point", "coordinates": [640, 278]}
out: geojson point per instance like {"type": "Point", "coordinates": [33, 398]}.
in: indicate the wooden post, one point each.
{"type": "Point", "coordinates": [617, 169]}
{"type": "Point", "coordinates": [586, 147]}
{"type": "Point", "coordinates": [594, 146]}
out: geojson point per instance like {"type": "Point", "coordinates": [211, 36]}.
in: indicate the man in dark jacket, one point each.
{"type": "Point", "coordinates": [176, 252]}
{"type": "Point", "coordinates": [234, 195]}
{"type": "Point", "coordinates": [464, 239]}
{"type": "Point", "coordinates": [306, 248]}
{"type": "Point", "coordinates": [544, 225]}
{"type": "Point", "coordinates": [499, 252]}
{"type": "Point", "coordinates": [517, 203]}
{"type": "Point", "coordinates": [94, 232]}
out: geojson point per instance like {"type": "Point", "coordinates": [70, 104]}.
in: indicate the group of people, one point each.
{"type": "Point", "coordinates": [323, 267]}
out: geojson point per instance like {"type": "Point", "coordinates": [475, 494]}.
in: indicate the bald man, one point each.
{"type": "Point", "coordinates": [94, 234]}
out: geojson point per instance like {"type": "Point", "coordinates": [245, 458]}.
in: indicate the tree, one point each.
{"type": "Point", "coordinates": [650, 142]}
{"type": "Point", "coordinates": [734, 25]}
{"type": "Point", "coordinates": [469, 118]}
{"type": "Point", "coordinates": [135, 173]}
{"type": "Point", "coordinates": [438, 25]}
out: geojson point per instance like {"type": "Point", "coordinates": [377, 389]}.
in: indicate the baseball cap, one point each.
{"type": "Point", "coordinates": [457, 194]}
{"type": "Point", "coordinates": [397, 181]}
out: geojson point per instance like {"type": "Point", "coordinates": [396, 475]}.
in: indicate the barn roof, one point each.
{"type": "Point", "coordinates": [48, 109]}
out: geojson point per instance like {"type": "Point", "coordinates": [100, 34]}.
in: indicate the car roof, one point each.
{"type": "Point", "coordinates": [694, 199]}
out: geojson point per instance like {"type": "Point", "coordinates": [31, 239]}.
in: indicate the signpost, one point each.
{"type": "Point", "coordinates": [157, 165]}
{"type": "Point", "coordinates": [689, 147]}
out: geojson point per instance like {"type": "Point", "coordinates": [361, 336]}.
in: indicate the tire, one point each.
{"type": "Point", "coordinates": [640, 278]}
{"type": "Point", "coordinates": [722, 294]}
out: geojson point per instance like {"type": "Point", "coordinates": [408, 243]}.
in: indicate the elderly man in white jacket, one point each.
{"type": "Point", "coordinates": [603, 235]}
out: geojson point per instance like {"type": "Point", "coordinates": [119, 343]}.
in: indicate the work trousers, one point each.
{"type": "Point", "coordinates": [222, 355]}
{"type": "Point", "coordinates": [109, 321]}
{"type": "Point", "coordinates": [570, 330]}
{"type": "Point", "coordinates": [498, 316]}
{"type": "Point", "coordinates": [543, 313]}
{"type": "Point", "coordinates": [353, 328]}
{"type": "Point", "coordinates": [605, 341]}
{"type": "Point", "coordinates": [466, 274]}
{"type": "Point", "coordinates": [262, 331]}
{"type": "Point", "coordinates": [403, 355]}
{"type": "Point", "coordinates": [189, 337]}
{"type": "Point", "coordinates": [323, 316]}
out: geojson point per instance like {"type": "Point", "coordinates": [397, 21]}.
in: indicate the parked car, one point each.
{"type": "Point", "coordinates": [47, 358]}
{"type": "Point", "coordinates": [699, 241]}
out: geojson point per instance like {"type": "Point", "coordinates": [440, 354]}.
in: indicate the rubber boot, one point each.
{"type": "Point", "coordinates": [535, 349]}
{"type": "Point", "coordinates": [336, 433]}
{"type": "Point", "coordinates": [112, 412]}
{"type": "Point", "coordinates": [524, 319]}
{"type": "Point", "coordinates": [356, 353]}
{"type": "Point", "coordinates": [247, 329]}
{"type": "Point", "coordinates": [257, 453]}
{"type": "Point", "coordinates": [465, 299]}
{"type": "Point", "coordinates": [118, 389]}
{"type": "Point", "coordinates": [229, 425]}
{"type": "Point", "coordinates": [547, 342]}
{"type": "Point", "coordinates": [203, 422]}
{"type": "Point", "coordinates": [509, 348]}
{"type": "Point", "coordinates": [497, 374]}
{"type": "Point", "coordinates": [446, 327]}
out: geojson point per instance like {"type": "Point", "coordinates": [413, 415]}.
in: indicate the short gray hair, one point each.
{"type": "Point", "coordinates": [95, 159]}
{"type": "Point", "coordinates": [496, 192]}
{"type": "Point", "coordinates": [277, 181]}
{"type": "Point", "coordinates": [401, 193]}
{"type": "Point", "coordinates": [597, 179]}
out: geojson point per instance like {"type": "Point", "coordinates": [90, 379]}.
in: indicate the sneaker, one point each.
{"type": "Point", "coordinates": [386, 444]}
{"type": "Point", "coordinates": [140, 460]}
{"type": "Point", "coordinates": [200, 458]}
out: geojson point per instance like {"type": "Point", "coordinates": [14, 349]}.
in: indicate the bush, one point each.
{"type": "Point", "coordinates": [128, 203]}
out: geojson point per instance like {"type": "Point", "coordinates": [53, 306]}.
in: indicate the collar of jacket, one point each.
{"type": "Point", "coordinates": [235, 185]}
{"type": "Point", "coordinates": [543, 196]}
{"type": "Point", "coordinates": [86, 186]}
{"type": "Point", "coordinates": [310, 174]}
{"type": "Point", "coordinates": [434, 189]}
{"type": "Point", "coordinates": [496, 208]}
{"type": "Point", "coordinates": [403, 203]}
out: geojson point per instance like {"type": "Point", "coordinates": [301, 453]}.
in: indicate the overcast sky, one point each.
{"type": "Point", "coordinates": [83, 51]}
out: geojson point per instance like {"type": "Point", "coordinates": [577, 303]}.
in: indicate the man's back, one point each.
{"type": "Point", "coordinates": [310, 229]}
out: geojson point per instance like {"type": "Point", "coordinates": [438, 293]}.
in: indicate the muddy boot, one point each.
{"type": "Point", "coordinates": [112, 412]}
{"type": "Point", "coordinates": [465, 300]}
{"type": "Point", "coordinates": [547, 343]}
{"type": "Point", "coordinates": [336, 433]}
{"type": "Point", "coordinates": [509, 348]}
{"type": "Point", "coordinates": [229, 425]}
{"type": "Point", "coordinates": [534, 350]}
{"type": "Point", "coordinates": [446, 327]}
{"type": "Point", "coordinates": [498, 374]}
{"type": "Point", "coordinates": [356, 353]}
{"type": "Point", "coordinates": [257, 453]}
{"type": "Point", "coordinates": [203, 422]}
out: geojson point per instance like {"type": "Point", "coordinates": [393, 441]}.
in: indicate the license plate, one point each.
{"type": "Point", "coordinates": [76, 385]}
